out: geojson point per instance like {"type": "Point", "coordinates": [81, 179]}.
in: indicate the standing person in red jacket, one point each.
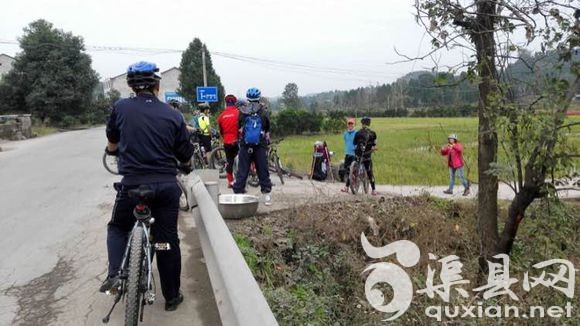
{"type": "Point", "coordinates": [228, 126]}
{"type": "Point", "coordinates": [454, 153]}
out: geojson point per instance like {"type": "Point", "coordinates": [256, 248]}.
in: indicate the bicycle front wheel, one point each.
{"type": "Point", "coordinates": [110, 163]}
{"type": "Point", "coordinates": [198, 161]}
{"type": "Point", "coordinates": [217, 160]}
{"type": "Point", "coordinates": [133, 294]}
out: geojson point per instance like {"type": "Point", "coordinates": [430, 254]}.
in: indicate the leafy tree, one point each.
{"type": "Point", "coordinates": [192, 72]}
{"type": "Point", "coordinates": [488, 28]}
{"type": "Point", "coordinates": [51, 78]}
{"type": "Point", "coordinates": [290, 96]}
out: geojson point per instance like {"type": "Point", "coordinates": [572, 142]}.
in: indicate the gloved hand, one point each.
{"type": "Point", "coordinates": [114, 153]}
{"type": "Point", "coordinates": [185, 168]}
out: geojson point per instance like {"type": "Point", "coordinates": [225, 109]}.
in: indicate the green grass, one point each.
{"type": "Point", "coordinates": [408, 149]}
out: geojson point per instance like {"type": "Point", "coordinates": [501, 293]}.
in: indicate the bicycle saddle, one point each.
{"type": "Point", "coordinates": [143, 193]}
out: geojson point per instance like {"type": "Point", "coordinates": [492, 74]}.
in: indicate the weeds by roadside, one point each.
{"type": "Point", "coordinates": [309, 260]}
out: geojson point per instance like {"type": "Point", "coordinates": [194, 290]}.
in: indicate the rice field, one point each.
{"type": "Point", "coordinates": [408, 149]}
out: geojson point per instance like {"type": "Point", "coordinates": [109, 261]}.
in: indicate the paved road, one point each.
{"type": "Point", "coordinates": [55, 200]}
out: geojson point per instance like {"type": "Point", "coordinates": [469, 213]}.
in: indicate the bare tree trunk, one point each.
{"type": "Point", "coordinates": [516, 214]}
{"type": "Point", "coordinates": [483, 38]}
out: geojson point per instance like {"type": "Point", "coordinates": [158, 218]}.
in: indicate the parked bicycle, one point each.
{"type": "Point", "coordinates": [275, 164]}
{"type": "Point", "coordinates": [136, 284]}
{"type": "Point", "coordinates": [358, 175]}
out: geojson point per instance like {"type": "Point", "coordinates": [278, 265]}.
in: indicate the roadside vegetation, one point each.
{"type": "Point", "coordinates": [308, 260]}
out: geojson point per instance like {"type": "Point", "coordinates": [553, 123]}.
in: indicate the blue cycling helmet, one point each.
{"type": "Point", "coordinates": [142, 75]}
{"type": "Point", "coordinates": [253, 94]}
{"type": "Point", "coordinates": [366, 121]}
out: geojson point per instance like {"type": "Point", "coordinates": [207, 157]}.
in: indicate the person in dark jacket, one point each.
{"type": "Point", "coordinates": [365, 142]}
{"type": "Point", "coordinates": [149, 138]}
{"type": "Point", "coordinates": [254, 152]}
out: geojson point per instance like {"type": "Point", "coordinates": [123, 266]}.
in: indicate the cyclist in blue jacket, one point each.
{"type": "Point", "coordinates": [149, 138]}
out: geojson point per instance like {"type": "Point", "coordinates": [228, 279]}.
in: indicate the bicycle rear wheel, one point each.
{"type": "Point", "coordinates": [217, 160]}
{"type": "Point", "coordinates": [110, 163]}
{"type": "Point", "coordinates": [133, 295]}
{"type": "Point", "coordinates": [354, 178]}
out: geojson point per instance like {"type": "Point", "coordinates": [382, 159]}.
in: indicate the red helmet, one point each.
{"type": "Point", "coordinates": [230, 99]}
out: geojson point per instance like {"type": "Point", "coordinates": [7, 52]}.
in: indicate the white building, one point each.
{"type": "Point", "coordinates": [6, 62]}
{"type": "Point", "coordinates": [167, 90]}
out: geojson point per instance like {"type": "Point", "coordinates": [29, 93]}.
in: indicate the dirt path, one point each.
{"type": "Point", "coordinates": [297, 192]}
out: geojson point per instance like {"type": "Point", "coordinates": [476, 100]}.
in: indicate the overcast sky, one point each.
{"type": "Point", "coordinates": [356, 36]}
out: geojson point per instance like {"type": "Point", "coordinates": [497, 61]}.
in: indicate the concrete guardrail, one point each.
{"type": "Point", "coordinates": [238, 296]}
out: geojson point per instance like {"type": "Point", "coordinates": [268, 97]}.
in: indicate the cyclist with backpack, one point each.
{"type": "Point", "coordinates": [254, 128]}
{"type": "Point", "coordinates": [228, 127]}
{"type": "Point", "coordinates": [149, 139]}
{"type": "Point", "coordinates": [365, 142]}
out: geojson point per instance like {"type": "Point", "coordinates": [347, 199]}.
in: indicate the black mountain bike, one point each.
{"type": "Point", "coordinates": [358, 174]}
{"type": "Point", "coordinates": [136, 284]}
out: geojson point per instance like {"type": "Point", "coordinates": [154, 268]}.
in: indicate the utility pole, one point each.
{"type": "Point", "coordinates": [203, 68]}
{"type": "Point", "coordinates": [203, 64]}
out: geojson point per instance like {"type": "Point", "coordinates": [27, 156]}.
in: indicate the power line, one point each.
{"type": "Point", "coordinates": [353, 74]}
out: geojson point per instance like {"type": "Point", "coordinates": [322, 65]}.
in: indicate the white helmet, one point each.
{"type": "Point", "coordinates": [452, 136]}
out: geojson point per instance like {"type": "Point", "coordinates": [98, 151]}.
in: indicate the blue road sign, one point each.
{"type": "Point", "coordinates": [173, 96]}
{"type": "Point", "coordinates": [207, 94]}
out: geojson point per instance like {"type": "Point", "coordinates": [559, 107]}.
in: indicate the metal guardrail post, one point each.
{"type": "Point", "coordinates": [238, 296]}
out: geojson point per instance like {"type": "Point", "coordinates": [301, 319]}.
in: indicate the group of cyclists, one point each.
{"type": "Point", "coordinates": [244, 127]}
{"type": "Point", "coordinates": [152, 141]}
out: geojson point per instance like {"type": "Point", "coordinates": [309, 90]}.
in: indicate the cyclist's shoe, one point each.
{"type": "Point", "coordinates": [466, 192]}
{"type": "Point", "coordinates": [345, 189]}
{"type": "Point", "coordinates": [108, 284]}
{"type": "Point", "coordinates": [374, 193]}
{"type": "Point", "coordinates": [268, 199]}
{"type": "Point", "coordinates": [172, 304]}
{"type": "Point", "coordinates": [448, 192]}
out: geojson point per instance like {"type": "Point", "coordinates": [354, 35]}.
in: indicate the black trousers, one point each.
{"type": "Point", "coordinates": [231, 153]}
{"type": "Point", "coordinates": [348, 159]}
{"type": "Point", "coordinates": [164, 208]}
{"type": "Point", "coordinates": [258, 155]}
{"type": "Point", "coordinates": [369, 168]}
